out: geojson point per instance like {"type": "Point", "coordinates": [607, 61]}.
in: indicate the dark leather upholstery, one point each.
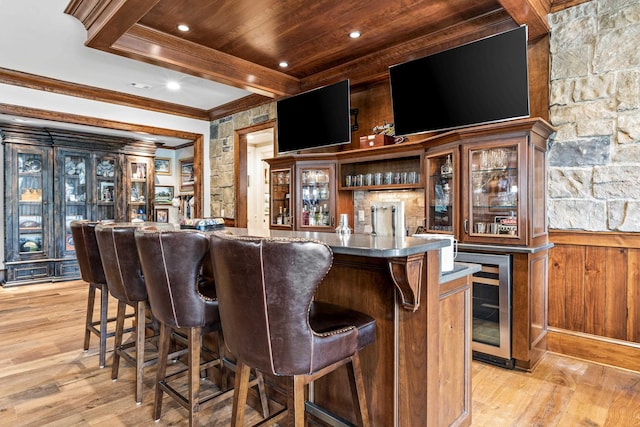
{"type": "Point", "coordinates": [119, 255]}
{"type": "Point", "coordinates": [171, 262]}
{"type": "Point", "coordinates": [86, 245]}
{"type": "Point", "coordinates": [265, 288]}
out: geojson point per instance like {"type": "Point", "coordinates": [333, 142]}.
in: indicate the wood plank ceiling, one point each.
{"type": "Point", "coordinates": [241, 42]}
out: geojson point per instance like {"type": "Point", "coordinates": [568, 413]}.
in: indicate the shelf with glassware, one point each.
{"type": "Point", "coordinates": [441, 191]}
{"type": "Point", "coordinates": [381, 173]}
{"type": "Point", "coordinates": [281, 203]}
{"type": "Point", "coordinates": [494, 208]}
{"type": "Point", "coordinates": [315, 196]}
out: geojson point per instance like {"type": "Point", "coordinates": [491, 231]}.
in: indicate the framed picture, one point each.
{"type": "Point", "coordinates": [186, 174]}
{"type": "Point", "coordinates": [162, 215]}
{"type": "Point", "coordinates": [106, 191]}
{"type": "Point", "coordinates": [162, 166]}
{"type": "Point", "coordinates": [164, 195]}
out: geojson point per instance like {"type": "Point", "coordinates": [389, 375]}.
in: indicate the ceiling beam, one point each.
{"type": "Point", "coordinates": [533, 13]}
{"type": "Point", "coordinates": [107, 20]}
{"type": "Point", "coordinates": [152, 46]}
{"type": "Point", "coordinates": [46, 84]}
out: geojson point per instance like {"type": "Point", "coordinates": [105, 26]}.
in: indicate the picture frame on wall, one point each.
{"type": "Point", "coordinates": [163, 195]}
{"type": "Point", "coordinates": [186, 174]}
{"type": "Point", "coordinates": [162, 215]}
{"type": "Point", "coordinates": [162, 166]}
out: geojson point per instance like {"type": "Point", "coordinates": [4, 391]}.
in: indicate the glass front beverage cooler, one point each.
{"type": "Point", "coordinates": [491, 308]}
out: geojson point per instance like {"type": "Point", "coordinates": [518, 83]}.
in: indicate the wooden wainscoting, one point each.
{"type": "Point", "coordinates": [594, 296]}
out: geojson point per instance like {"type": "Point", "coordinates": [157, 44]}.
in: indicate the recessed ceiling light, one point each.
{"type": "Point", "coordinates": [140, 85]}
{"type": "Point", "coordinates": [354, 34]}
{"type": "Point", "coordinates": [183, 27]}
{"type": "Point", "coordinates": [173, 85]}
{"type": "Point", "coordinates": [283, 64]}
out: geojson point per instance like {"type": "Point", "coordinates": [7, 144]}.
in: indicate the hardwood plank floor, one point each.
{"type": "Point", "coordinates": [47, 380]}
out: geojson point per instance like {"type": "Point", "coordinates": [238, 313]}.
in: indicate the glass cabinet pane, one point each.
{"type": "Point", "coordinates": [494, 192]}
{"type": "Point", "coordinates": [138, 191]}
{"type": "Point", "coordinates": [281, 197]}
{"type": "Point", "coordinates": [31, 207]}
{"type": "Point", "coordinates": [440, 192]}
{"type": "Point", "coordinates": [316, 199]}
{"type": "Point", "coordinates": [105, 188]}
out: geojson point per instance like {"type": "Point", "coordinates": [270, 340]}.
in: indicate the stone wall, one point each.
{"type": "Point", "coordinates": [221, 155]}
{"type": "Point", "coordinates": [594, 158]}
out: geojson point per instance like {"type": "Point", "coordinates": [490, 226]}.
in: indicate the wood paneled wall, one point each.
{"type": "Point", "coordinates": [594, 296]}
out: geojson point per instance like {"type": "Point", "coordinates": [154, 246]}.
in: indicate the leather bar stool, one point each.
{"type": "Point", "coordinates": [181, 300]}
{"type": "Point", "coordinates": [92, 272]}
{"type": "Point", "coordinates": [265, 291]}
{"type": "Point", "coordinates": [123, 274]}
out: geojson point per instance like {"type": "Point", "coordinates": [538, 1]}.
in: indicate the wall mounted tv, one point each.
{"type": "Point", "coordinates": [318, 118]}
{"type": "Point", "coordinates": [484, 81]}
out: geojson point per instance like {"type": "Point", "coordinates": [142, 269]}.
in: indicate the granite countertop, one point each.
{"type": "Point", "coordinates": [360, 244]}
{"type": "Point", "coordinates": [460, 269]}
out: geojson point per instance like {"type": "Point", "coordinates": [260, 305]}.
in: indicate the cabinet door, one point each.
{"type": "Point", "coordinates": [280, 208]}
{"type": "Point", "coordinates": [29, 207]}
{"type": "Point", "coordinates": [442, 171]}
{"type": "Point", "coordinates": [106, 186]}
{"type": "Point", "coordinates": [316, 197]}
{"type": "Point", "coordinates": [495, 200]}
{"type": "Point", "coordinates": [139, 177]}
{"type": "Point", "coordinates": [75, 194]}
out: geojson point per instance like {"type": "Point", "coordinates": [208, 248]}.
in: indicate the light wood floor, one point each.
{"type": "Point", "coordinates": [47, 380]}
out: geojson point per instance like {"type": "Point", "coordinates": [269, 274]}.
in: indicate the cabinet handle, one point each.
{"type": "Point", "coordinates": [466, 231]}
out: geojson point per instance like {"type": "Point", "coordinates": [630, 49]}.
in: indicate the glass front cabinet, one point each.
{"type": "Point", "coordinates": [52, 179]}
{"type": "Point", "coordinates": [281, 203]}
{"type": "Point", "coordinates": [495, 203]}
{"type": "Point", "coordinates": [442, 191]}
{"type": "Point", "coordinates": [316, 196]}
{"type": "Point", "coordinates": [139, 170]}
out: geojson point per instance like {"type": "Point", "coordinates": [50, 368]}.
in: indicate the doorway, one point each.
{"type": "Point", "coordinates": [259, 147]}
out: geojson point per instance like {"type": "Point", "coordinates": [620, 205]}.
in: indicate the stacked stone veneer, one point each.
{"type": "Point", "coordinates": [594, 158]}
{"type": "Point", "coordinates": [221, 155]}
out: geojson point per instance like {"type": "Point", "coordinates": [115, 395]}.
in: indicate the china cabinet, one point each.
{"type": "Point", "coordinates": [53, 177]}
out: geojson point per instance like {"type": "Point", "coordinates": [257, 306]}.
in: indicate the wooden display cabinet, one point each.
{"type": "Point", "coordinates": [315, 196]}
{"type": "Point", "coordinates": [442, 191]}
{"type": "Point", "coordinates": [281, 199]}
{"type": "Point", "coordinates": [53, 178]}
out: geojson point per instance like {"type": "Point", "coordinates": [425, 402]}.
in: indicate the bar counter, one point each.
{"type": "Point", "coordinates": [417, 372]}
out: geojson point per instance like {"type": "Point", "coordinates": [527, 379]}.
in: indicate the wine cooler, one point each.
{"type": "Point", "coordinates": [491, 306]}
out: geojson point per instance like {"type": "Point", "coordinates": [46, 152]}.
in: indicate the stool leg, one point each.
{"type": "Point", "coordinates": [104, 302]}
{"type": "Point", "coordinates": [90, 303]}
{"type": "Point", "coordinates": [141, 322]}
{"type": "Point", "coordinates": [298, 400]}
{"type": "Point", "coordinates": [115, 366]}
{"type": "Point", "coordinates": [357, 391]}
{"type": "Point", "coordinates": [241, 388]}
{"type": "Point", "coordinates": [264, 401]}
{"type": "Point", "coordinates": [194, 375]}
{"type": "Point", "coordinates": [163, 354]}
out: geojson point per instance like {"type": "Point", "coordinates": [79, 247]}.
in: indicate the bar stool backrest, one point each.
{"type": "Point", "coordinates": [87, 252]}
{"type": "Point", "coordinates": [119, 256]}
{"type": "Point", "coordinates": [265, 288]}
{"type": "Point", "coordinates": [171, 262]}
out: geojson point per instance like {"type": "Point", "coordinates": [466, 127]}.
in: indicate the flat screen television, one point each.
{"type": "Point", "coordinates": [484, 81]}
{"type": "Point", "coordinates": [317, 118]}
